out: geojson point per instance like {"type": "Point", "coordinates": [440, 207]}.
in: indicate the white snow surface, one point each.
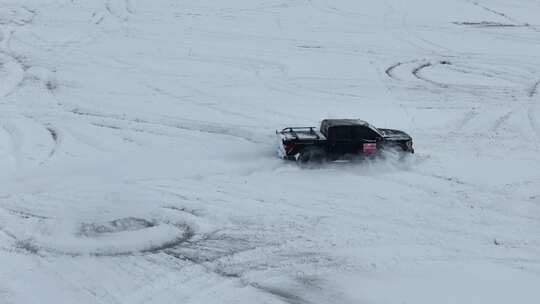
{"type": "Point", "coordinates": [138, 164]}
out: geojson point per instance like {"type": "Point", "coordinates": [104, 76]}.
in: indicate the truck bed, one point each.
{"type": "Point", "coordinates": [291, 140]}
{"type": "Point", "coordinates": [300, 134]}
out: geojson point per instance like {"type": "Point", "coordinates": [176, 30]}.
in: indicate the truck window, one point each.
{"type": "Point", "coordinates": [363, 132]}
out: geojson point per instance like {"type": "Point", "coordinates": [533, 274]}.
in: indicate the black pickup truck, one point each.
{"type": "Point", "coordinates": [339, 139]}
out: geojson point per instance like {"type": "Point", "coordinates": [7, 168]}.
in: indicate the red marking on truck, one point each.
{"type": "Point", "coordinates": [289, 147]}
{"type": "Point", "coordinates": [369, 148]}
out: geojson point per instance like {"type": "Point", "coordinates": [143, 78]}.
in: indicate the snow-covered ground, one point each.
{"type": "Point", "coordinates": [137, 157]}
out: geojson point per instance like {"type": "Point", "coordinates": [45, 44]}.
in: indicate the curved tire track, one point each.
{"type": "Point", "coordinates": [327, 8]}
{"type": "Point", "coordinates": [121, 9]}
{"type": "Point", "coordinates": [104, 243]}
{"type": "Point", "coordinates": [501, 120]}
{"type": "Point", "coordinates": [33, 143]}
{"type": "Point", "coordinates": [11, 74]}
{"type": "Point", "coordinates": [282, 294]}
{"type": "Point", "coordinates": [417, 70]}
{"type": "Point", "coordinates": [417, 73]}
{"type": "Point", "coordinates": [533, 95]}
{"type": "Point", "coordinates": [504, 15]}
{"type": "Point", "coordinates": [12, 70]}
{"type": "Point", "coordinates": [534, 90]}
{"type": "Point", "coordinates": [488, 78]}
{"type": "Point", "coordinates": [390, 70]}
{"type": "Point", "coordinates": [8, 153]}
{"type": "Point", "coordinates": [182, 124]}
{"type": "Point", "coordinates": [467, 118]}
{"type": "Point", "coordinates": [54, 136]}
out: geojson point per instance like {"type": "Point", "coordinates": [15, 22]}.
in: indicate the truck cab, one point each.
{"type": "Point", "coordinates": [349, 136]}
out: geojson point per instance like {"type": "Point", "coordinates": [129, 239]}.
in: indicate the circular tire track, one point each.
{"type": "Point", "coordinates": [120, 237]}
{"type": "Point", "coordinates": [45, 234]}
{"type": "Point", "coordinates": [502, 82]}
{"type": "Point", "coordinates": [417, 72]}
{"type": "Point", "coordinates": [461, 68]}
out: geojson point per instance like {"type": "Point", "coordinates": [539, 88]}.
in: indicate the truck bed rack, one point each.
{"type": "Point", "coordinates": [301, 133]}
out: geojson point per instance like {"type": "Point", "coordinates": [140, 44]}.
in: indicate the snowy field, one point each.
{"type": "Point", "coordinates": [138, 164]}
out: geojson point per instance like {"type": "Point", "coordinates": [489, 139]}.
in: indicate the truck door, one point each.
{"type": "Point", "coordinates": [340, 140]}
{"type": "Point", "coordinates": [364, 139]}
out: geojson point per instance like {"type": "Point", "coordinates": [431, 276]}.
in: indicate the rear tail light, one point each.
{"type": "Point", "coordinates": [288, 147]}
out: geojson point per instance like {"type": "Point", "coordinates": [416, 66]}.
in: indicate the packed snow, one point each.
{"type": "Point", "coordinates": [138, 161]}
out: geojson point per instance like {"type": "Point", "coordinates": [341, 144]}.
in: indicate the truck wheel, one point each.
{"type": "Point", "coordinates": [310, 154]}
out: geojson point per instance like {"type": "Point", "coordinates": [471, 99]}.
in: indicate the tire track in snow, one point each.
{"type": "Point", "coordinates": [533, 103]}
{"type": "Point", "coordinates": [121, 9]}
{"type": "Point", "coordinates": [492, 10]}
{"type": "Point", "coordinates": [25, 214]}
{"type": "Point", "coordinates": [533, 91]}
{"type": "Point", "coordinates": [122, 237]}
{"type": "Point", "coordinates": [18, 15]}
{"type": "Point", "coordinates": [130, 7]}
{"type": "Point", "coordinates": [465, 120]}
{"type": "Point", "coordinates": [501, 120]}
{"type": "Point", "coordinates": [182, 124]}
{"type": "Point", "coordinates": [282, 294]}
{"type": "Point", "coordinates": [214, 251]}
{"type": "Point", "coordinates": [504, 15]}
{"type": "Point", "coordinates": [12, 70]}
{"type": "Point", "coordinates": [15, 143]}
{"type": "Point", "coordinates": [390, 70]}
{"type": "Point", "coordinates": [214, 246]}
{"type": "Point", "coordinates": [417, 73]}
{"type": "Point", "coordinates": [4, 215]}
{"type": "Point", "coordinates": [328, 7]}
{"type": "Point", "coordinates": [480, 72]}
{"type": "Point", "coordinates": [8, 152]}
{"type": "Point", "coordinates": [487, 24]}
{"type": "Point", "coordinates": [56, 142]}
{"type": "Point", "coordinates": [32, 142]}
{"type": "Point", "coordinates": [55, 138]}
{"type": "Point", "coordinates": [490, 74]}
{"type": "Point", "coordinates": [166, 228]}
{"type": "Point", "coordinates": [11, 74]}
{"type": "Point", "coordinates": [97, 17]}
{"type": "Point", "coordinates": [406, 35]}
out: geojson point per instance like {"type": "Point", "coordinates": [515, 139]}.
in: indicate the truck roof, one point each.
{"type": "Point", "coordinates": [329, 124]}
{"type": "Point", "coordinates": [345, 122]}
